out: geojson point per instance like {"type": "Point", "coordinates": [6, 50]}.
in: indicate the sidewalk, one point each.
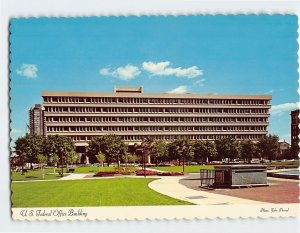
{"type": "Point", "coordinates": [170, 186]}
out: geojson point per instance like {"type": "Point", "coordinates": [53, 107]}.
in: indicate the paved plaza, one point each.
{"type": "Point", "coordinates": [278, 191]}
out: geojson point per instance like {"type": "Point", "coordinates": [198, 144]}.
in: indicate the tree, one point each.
{"type": "Point", "coordinates": [111, 145]}
{"type": "Point", "coordinates": [248, 150]}
{"type": "Point", "coordinates": [95, 147]}
{"type": "Point", "coordinates": [160, 151]}
{"type": "Point", "coordinates": [28, 148]}
{"type": "Point", "coordinates": [101, 158]}
{"type": "Point", "coordinates": [72, 157]}
{"type": "Point", "coordinates": [293, 152]}
{"type": "Point", "coordinates": [54, 159]}
{"type": "Point", "coordinates": [41, 160]}
{"type": "Point", "coordinates": [147, 146]}
{"type": "Point", "coordinates": [181, 149]}
{"type": "Point", "coordinates": [132, 158]}
{"type": "Point", "coordinates": [227, 148]}
{"type": "Point", "coordinates": [268, 147]}
{"type": "Point", "coordinates": [203, 150]}
{"type": "Point", "coordinates": [61, 146]}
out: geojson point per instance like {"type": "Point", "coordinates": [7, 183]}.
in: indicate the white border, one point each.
{"type": "Point", "coordinates": [74, 8]}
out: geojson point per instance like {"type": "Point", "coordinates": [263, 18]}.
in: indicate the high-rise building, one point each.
{"type": "Point", "coordinates": [133, 115]}
{"type": "Point", "coordinates": [36, 120]}
{"type": "Point", "coordinates": [295, 127]}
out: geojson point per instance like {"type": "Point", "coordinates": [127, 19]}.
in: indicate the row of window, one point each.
{"type": "Point", "coordinates": [154, 110]}
{"type": "Point", "coordinates": [154, 119]}
{"type": "Point", "coordinates": [144, 100]}
{"type": "Point", "coordinates": [152, 128]}
{"type": "Point", "coordinates": [172, 137]}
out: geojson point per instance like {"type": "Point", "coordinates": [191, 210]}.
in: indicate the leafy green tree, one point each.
{"type": "Point", "coordinates": [61, 146]}
{"type": "Point", "coordinates": [28, 148]}
{"type": "Point", "coordinates": [111, 145]}
{"type": "Point", "coordinates": [228, 148]}
{"type": "Point", "coordinates": [147, 146]}
{"type": "Point", "coordinates": [268, 147]}
{"type": "Point", "coordinates": [41, 160]}
{"type": "Point", "coordinates": [72, 157]}
{"type": "Point", "coordinates": [95, 147]}
{"type": "Point", "coordinates": [181, 149]}
{"type": "Point", "coordinates": [248, 150]}
{"type": "Point", "coordinates": [293, 152]}
{"type": "Point", "coordinates": [101, 158]}
{"type": "Point", "coordinates": [54, 160]}
{"type": "Point", "coordinates": [132, 158]}
{"type": "Point", "coordinates": [160, 151]}
{"type": "Point", "coordinates": [203, 150]}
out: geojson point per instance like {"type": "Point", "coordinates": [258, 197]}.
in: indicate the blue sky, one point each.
{"type": "Point", "coordinates": [197, 54]}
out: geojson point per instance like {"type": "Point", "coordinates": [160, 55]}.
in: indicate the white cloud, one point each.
{"type": "Point", "coordinates": [281, 108]}
{"type": "Point", "coordinates": [28, 71]}
{"type": "Point", "coordinates": [200, 82]}
{"type": "Point", "coordinates": [125, 73]}
{"type": "Point", "coordinates": [16, 131]}
{"type": "Point", "coordinates": [179, 90]}
{"type": "Point", "coordinates": [163, 69]}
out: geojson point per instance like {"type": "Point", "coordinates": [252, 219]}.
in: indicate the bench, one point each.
{"type": "Point", "coordinates": [71, 170]}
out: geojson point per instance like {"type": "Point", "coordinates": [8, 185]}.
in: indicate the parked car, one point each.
{"type": "Point", "coordinates": [255, 161]}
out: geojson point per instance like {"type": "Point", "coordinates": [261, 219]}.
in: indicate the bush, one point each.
{"type": "Point", "coordinates": [146, 172]}
{"type": "Point", "coordinates": [106, 173]}
{"type": "Point", "coordinates": [170, 174]}
{"type": "Point", "coordinates": [155, 173]}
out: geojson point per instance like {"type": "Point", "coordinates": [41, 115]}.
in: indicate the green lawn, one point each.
{"type": "Point", "coordinates": [189, 168]}
{"type": "Point", "coordinates": [34, 175]}
{"type": "Point", "coordinates": [284, 163]}
{"type": "Point", "coordinates": [98, 192]}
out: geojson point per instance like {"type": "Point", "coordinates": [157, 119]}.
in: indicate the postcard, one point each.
{"type": "Point", "coordinates": [154, 117]}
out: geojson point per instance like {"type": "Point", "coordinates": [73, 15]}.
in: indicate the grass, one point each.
{"type": "Point", "coordinates": [34, 175]}
{"type": "Point", "coordinates": [188, 168]}
{"type": "Point", "coordinates": [99, 192]}
{"type": "Point", "coordinates": [284, 163]}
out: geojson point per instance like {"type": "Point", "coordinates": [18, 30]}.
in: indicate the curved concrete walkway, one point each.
{"type": "Point", "coordinates": [171, 187]}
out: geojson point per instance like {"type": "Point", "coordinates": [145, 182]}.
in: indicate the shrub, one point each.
{"type": "Point", "coordinates": [170, 174]}
{"type": "Point", "coordinates": [106, 173]}
{"type": "Point", "coordinates": [146, 172]}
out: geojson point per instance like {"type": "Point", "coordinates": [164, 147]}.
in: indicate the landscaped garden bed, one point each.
{"type": "Point", "coordinates": [170, 174]}
{"type": "Point", "coordinates": [155, 173]}
{"type": "Point", "coordinates": [116, 172]}
{"type": "Point", "coordinates": [106, 173]}
{"type": "Point", "coordinates": [146, 173]}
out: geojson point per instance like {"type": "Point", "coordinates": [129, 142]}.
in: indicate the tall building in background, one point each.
{"type": "Point", "coordinates": [295, 127]}
{"type": "Point", "coordinates": [37, 120]}
{"type": "Point", "coordinates": [133, 115]}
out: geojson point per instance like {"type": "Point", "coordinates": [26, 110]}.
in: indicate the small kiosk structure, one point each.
{"type": "Point", "coordinates": [234, 176]}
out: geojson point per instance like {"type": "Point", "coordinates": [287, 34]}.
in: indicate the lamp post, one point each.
{"type": "Point", "coordinates": [61, 161]}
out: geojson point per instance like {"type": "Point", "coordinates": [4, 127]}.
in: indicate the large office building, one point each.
{"type": "Point", "coordinates": [295, 121]}
{"type": "Point", "coordinates": [133, 115]}
{"type": "Point", "coordinates": [37, 120]}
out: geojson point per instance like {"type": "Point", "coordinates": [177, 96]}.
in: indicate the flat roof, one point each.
{"type": "Point", "coordinates": [152, 95]}
{"type": "Point", "coordinates": [118, 89]}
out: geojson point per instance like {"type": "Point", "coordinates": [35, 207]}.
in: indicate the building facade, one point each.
{"type": "Point", "coordinates": [283, 147]}
{"type": "Point", "coordinates": [37, 120]}
{"type": "Point", "coordinates": [133, 115]}
{"type": "Point", "coordinates": [295, 127]}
